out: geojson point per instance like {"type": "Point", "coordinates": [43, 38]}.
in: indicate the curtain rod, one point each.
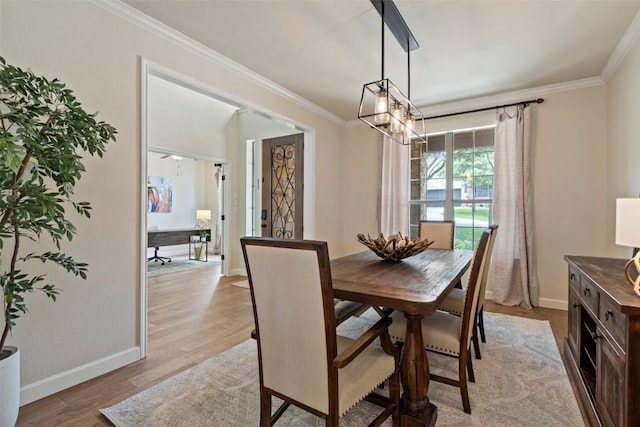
{"type": "Point", "coordinates": [524, 103]}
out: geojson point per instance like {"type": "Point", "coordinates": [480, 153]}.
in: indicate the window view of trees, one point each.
{"type": "Point", "coordinates": [451, 177]}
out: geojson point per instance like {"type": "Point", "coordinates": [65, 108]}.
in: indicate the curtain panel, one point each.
{"type": "Point", "coordinates": [393, 185]}
{"type": "Point", "coordinates": [513, 278]}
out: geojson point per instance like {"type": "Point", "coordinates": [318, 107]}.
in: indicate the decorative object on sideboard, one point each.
{"type": "Point", "coordinates": [382, 105]}
{"type": "Point", "coordinates": [396, 247]}
{"type": "Point", "coordinates": [628, 234]}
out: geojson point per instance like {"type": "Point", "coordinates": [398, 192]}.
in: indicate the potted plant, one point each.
{"type": "Point", "coordinates": [203, 235]}
{"type": "Point", "coordinates": [43, 132]}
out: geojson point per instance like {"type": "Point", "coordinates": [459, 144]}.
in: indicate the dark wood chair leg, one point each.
{"type": "Point", "coordinates": [481, 325]}
{"type": "Point", "coordinates": [472, 376]}
{"type": "Point", "coordinates": [466, 404]}
{"type": "Point", "coordinates": [476, 343]}
{"type": "Point", "coordinates": [265, 409]}
{"type": "Point", "coordinates": [332, 421]}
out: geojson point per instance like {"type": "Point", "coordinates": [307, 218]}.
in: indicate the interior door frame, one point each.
{"type": "Point", "coordinates": [146, 68]}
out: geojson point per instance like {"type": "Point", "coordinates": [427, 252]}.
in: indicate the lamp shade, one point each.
{"type": "Point", "coordinates": [203, 214]}
{"type": "Point", "coordinates": [628, 222]}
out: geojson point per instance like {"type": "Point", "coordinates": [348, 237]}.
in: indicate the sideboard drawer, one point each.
{"type": "Point", "coordinates": [574, 278]}
{"type": "Point", "coordinates": [590, 295]}
{"type": "Point", "coordinates": [614, 321]}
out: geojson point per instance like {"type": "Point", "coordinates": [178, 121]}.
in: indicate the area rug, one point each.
{"type": "Point", "coordinates": [241, 284]}
{"type": "Point", "coordinates": [520, 381]}
{"type": "Point", "coordinates": [156, 268]}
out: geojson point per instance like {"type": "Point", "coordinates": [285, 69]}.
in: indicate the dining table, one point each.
{"type": "Point", "coordinates": [416, 286]}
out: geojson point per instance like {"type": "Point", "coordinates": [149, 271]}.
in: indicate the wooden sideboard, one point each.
{"type": "Point", "coordinates": [602, 348]}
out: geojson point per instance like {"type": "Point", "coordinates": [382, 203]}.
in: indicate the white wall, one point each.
{"type": "Point", "coordinates": [623, 140]}
{"type": "Point", "coordinates": [94, 325]}
{"type": "Point", "coordinates": [181, 118]}
{"type": "Point", "coordinates": [569, 134]}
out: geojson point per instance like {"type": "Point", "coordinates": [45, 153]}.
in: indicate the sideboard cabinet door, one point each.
{"type": "Point", "coordinates": [610, 395]}
{"type": "Point", "coordinates": [574, 322]}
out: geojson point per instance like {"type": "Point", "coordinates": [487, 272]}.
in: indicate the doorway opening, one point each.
{"type": "Point", "coordinates": [169, 105]}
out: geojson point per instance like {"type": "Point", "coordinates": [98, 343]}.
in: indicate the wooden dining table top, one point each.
{"type": "Point", "coordinates": [415, 285]}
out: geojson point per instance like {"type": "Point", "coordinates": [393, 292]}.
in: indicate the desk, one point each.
{"type": "Point", "coordinates": [156, 238]}
{"type": "Point", "coordinates": [170, 237]}
{"type": "Point", "coordinates": [416, 286]}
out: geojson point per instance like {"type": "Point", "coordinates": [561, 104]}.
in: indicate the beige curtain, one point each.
{"type": "Point", "coordinates": [513, 279]}
{"type": "Point", "coordinates": [393, 209]}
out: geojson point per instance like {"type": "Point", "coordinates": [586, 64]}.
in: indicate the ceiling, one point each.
{"type": "Point", "coordinates": [324, 51]}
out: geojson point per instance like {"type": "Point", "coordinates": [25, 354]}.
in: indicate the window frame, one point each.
{"type": "Point", "coordinates": [450, 202]}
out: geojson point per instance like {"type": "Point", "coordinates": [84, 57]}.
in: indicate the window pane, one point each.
{"type": "Point", "coordinates": [436, 189]}
{"type": "Point", "coordinates": [483, 187]}
{"type": "Point", "coordinates": [418, 148]}
{"type": "Point", "coordinates": [423, 211]}
{"type": "Point", "coordinates": [414, 219]}
{"type": "Point", "coordinates": [452, 178]}
{"type": "Point", "coordinates": [414, 170]}
{"type": "Point", "coordinates": [434, 212]}
{"type": "Point", "coordinates": [471, 219]}
{"type": "Point", "coordinates": [418, 190]}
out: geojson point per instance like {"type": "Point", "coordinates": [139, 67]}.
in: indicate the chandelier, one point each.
{"type": "Point", "coordinates": [382, 105]}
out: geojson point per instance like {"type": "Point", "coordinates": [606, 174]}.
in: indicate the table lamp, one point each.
{"type": "Point", "coordinates": [202, 218]}
{"type": "Point", "coordinates": [628, 234]}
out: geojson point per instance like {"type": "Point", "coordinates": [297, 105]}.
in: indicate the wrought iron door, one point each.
{"type": "Point", "coordinates": [282, 169]}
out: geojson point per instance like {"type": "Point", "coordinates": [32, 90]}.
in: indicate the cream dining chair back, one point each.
{"type": "Point", "coordinates": [441, 232]}
{"type": "Point", "coordinates": [454, 302]}
{"type": "Point", "coordinates": [301, 358]}
{"type": "Point", "coordinates": [449, 334]}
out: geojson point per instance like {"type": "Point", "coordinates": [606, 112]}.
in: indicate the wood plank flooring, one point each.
{"type": "Point", "coordinates": [193, 315]}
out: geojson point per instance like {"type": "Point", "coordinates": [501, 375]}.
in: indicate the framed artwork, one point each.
{"type": "Point", "coordinates": [159, 194]}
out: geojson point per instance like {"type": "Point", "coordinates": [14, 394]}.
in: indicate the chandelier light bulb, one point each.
{"type": "Point", "coordinates": [409, 126]}
{"type": "Point", "coordinates": [381, 107]}
{"type": "Point", "coordinates": [396, 118]}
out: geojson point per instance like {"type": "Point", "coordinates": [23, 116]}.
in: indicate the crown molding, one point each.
{"type": "Point", "coordinates": [498, 99]}
{"type": "Point", "coordinates": [159, 29]}
{"type": "Point", "coordinates": [622, 49]}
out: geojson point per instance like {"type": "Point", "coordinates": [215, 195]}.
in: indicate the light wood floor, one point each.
{"type": "Point", "coordinates": [193, 315]}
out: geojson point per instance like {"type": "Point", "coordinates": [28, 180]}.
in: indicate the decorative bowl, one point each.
{"type": "Point", "coordinates": [396, 247]}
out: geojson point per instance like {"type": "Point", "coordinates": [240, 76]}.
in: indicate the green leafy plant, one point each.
{"type": "Point", "coordinates": [43, 132]}
{"type": "Point", "coordinates": [204, 234]}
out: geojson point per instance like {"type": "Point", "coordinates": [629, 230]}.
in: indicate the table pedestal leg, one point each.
{"type": "Point", "coordinates": [414, 371]}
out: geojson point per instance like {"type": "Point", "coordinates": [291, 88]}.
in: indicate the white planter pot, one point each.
{"type": "Point", "coordinates": [10, 386]}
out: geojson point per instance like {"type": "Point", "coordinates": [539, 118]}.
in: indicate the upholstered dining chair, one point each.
{"type": "Point", "coordinates": [449, 334]}
{"type": "Point", "coordinates": [441, 232]}
{"type": "Point", "coordinates": [301, 358]}
{"type": "Point", "coordinates": [454, 302]}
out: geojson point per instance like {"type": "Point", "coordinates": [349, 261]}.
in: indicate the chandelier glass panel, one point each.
{"type": "Point", "coordinates": [382, 105]}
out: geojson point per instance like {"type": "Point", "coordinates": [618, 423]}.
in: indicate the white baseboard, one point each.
{"type": "Point", "coordinates": [63, 380]}
{"type": "Point", "coordinates": [542, 302]}
{"type": "Point", "coordinates": [553, 303]}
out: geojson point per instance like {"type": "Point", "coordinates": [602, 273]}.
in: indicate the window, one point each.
{"type": "Point", "coordinates": [451, 177]}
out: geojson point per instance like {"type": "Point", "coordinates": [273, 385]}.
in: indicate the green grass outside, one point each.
{"type": "Point", "coordinates": [481, 214]}
{"type": "Point", "coordinates": [466, 237]}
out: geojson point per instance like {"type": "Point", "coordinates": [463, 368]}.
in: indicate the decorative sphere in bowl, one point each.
{"type": "Point", "coordinates": [396, 247]}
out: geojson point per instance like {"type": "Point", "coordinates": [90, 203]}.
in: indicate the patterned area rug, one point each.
{"type": "Point", "coordinates": [520, 381]}
{"type": "Point", "coordinates": [241, 284]}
